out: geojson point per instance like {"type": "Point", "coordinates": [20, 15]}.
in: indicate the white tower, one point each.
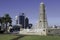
{"type": "Point", "coordinates": [42, 17]}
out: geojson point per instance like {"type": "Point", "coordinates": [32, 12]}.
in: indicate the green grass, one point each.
{"type": "Point", "coordinates": [26, 37]}
{"type": "Point", "coordinates": [7, 36]}
{"type": "Point", "coordinates": [40, 38]}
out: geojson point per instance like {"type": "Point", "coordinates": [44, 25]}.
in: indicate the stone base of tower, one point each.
{"type": "Point", "coordinates": [33, 32]}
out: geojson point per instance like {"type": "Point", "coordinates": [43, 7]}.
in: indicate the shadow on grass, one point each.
{"type": "Point", "coordinates": [20, 36]}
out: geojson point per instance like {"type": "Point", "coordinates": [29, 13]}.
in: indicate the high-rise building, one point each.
{"type": "Point", "coordinates": [22, 20]}
{"type": "Point", "coordinates": [26, 22]}
{"type": "Point", "coordinates": [42, 17]}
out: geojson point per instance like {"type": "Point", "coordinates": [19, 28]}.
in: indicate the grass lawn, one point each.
{"type": "Point", "coordinates": [7, 36]}
{"type": "Point", "coordinates": [40, 38]}
{"type": "Point", "coordinates": [26, 37]}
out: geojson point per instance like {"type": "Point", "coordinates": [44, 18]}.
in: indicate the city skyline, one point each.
{"type": "Point", "coordinates": [31, 9]}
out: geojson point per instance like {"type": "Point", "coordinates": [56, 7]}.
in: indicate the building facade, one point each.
{"type": "Point", "coordinates": [22, 20]}
{"type": "Point", "coordinates": [26, 23]}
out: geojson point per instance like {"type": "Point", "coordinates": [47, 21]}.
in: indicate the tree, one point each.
{"type": "Point", "coordinates": [2, 25]}
{"type": "Point", "coordinates": [10, 22]}
{"type": "Point", "coordinates": [4, 21]}
{"type": "Point", "coordinates": [7, 20]}
{"type": "Point", "coordinates": [1, 21]}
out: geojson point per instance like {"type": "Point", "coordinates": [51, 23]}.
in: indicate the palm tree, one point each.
{"type": "Point", "coordinates": [7, 20]}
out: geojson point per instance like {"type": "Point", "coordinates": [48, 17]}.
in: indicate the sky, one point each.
{"type": "Point", "coordinates": [31, 9]}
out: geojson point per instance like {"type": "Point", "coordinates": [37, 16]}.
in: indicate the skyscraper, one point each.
{"type": "Point", "coordinates": [22, 20]}
{"type": "Point", "coordinates": [26, 22]}
{"type": "Point", "coordinates": [42, 17]}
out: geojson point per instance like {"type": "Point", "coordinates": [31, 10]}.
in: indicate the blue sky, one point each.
{"type": "Point", "coordinates": [31, 9]}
